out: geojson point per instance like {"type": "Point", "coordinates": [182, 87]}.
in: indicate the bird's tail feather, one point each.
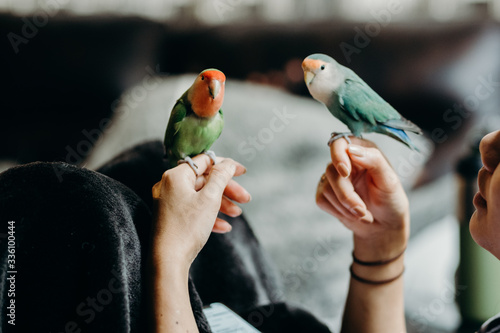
{"type": "Point", "coordinates": [403, 124]}
{"type": "Point", "coordinates": [399, 135]}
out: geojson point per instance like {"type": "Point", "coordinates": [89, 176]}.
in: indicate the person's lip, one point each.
{"type": "Point", "coordinates": [479, 201]}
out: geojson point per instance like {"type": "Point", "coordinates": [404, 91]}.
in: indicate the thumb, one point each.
{"type": "Point", "coordinates": [219, 178]}
{"type": "Point", "coordinates": [376, 165]}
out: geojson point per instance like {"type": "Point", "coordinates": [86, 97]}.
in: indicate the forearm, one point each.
{"type": "Point", "coordinates": [375, 300]}
{"type": "Point", "coordinates": [186, 207]}
{"type": "Point", "coordinates": [375, 308]}
{"type": "Point", "coordinates": [170, 297]}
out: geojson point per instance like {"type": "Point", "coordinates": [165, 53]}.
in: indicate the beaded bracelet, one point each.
{"type": "Point", "coordinates": [360, 279]}
{"type": "Point", "coordinates": [376, 263]}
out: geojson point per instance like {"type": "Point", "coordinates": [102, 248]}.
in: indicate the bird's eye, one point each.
{"type": "Point", "coordinates": [322, 67]}
{"type": "Point", "coordinates": [202, 77]}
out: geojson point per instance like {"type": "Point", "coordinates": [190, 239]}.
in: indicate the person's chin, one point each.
{"type": "Point", "coordinates": [474, 226]}
{"type": "Point", "coordinates": [478, 231]}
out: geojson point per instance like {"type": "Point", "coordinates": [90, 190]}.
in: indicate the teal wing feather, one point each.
{"type": "Point", "coordinates": [177, 115]}
{"type": "Point", "coordinates": [363, 104]}
{"type": "Point", "coordinates": [360, 102]}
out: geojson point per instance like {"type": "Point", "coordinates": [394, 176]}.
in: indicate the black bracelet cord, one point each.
{"type": "Point", "coordinates": [376, 263]}
{"type": "Point", "coordinates": [360, 279]}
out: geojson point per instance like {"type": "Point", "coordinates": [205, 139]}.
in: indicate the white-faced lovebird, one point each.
{"type": "Point", "coordinates": [196, 120]}
{"type": "Point", "coordinates": [352, 101]}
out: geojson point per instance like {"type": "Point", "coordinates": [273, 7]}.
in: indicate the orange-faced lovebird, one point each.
{"type": "Point", "coordinates": [196, 120]}
{"type": "Point", "coordinates": [353, 102]}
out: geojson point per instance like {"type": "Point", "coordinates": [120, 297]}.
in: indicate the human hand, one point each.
{"type": "Point", "coordinates": [362, 190]}
{"type": "Point", "coordinates": [186, 206]}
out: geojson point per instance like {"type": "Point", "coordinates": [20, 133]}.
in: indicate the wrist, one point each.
{"type": "Point", "coordinates": [379, 251]}
{"type": "Point", "coordinates": [379, 261]}
{"type": "Point", "coordinates": [169, 246]}
{"type": "Point", "coordinates": [171, 254]}
{"type": "Point", "coordinates": [169, 270]}
{"type": "Point", "coordinates": [388, 244]}
{"type": "Point", "coordinates": [379, 274]}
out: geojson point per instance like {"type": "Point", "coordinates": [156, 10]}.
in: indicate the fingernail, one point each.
{"type": "Point", "coordinates": [358, 211]}
{"type": "Point", "coordinates": [238, 211]}
{"type": "Point", "coordinates": [357, 150]}
{"type": "Point", "coordinates": [367, 219]}
{"type": "Point", "coordinates": [249, 196]}
{"type": "Point", "coordinates": [244, 168]}
{"type": "Point", "coordinates": [343, 170]}
{"type": "Point", "coordinates": [234, 211]}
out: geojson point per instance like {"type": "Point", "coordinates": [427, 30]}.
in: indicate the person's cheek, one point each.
{"type": "Point", "coordinates": [485, 223]}
{"type": "Point", "coordinates": [493, 202]}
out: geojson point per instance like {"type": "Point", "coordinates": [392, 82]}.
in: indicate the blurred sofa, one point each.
{"type": "Point", "coordinates": [68, 72]}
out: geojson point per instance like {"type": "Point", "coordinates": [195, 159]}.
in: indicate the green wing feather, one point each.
{"type": "Point", "coordinates": [221, 116]}
{"type": "Point", "coordinates": [177, 115]}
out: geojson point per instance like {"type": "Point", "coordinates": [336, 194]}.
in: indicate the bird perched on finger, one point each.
{"type": "Point", "coordinates": [353, 102]}
{"type": "Point", "coordinates": [196, 120]}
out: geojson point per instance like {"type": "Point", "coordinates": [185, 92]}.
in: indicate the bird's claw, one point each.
{"type": "Point", "coordinates": [212, 156]}
{"type": "Point", "coordinates": [335, 136]}
{"type": "Point", "coordinates": [189, 161]}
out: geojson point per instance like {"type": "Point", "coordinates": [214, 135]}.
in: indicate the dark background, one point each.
{"type": "Point", "coordinates": [65, 78]}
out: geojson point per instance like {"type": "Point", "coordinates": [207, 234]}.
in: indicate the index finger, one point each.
{"type": "Point", "coordinates": [340, 158]}
{"type": "Point", "coordinates": [219, 177]}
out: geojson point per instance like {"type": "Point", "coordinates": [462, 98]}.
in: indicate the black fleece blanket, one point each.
{"type": "Point", "coordinates": [81, 242]}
